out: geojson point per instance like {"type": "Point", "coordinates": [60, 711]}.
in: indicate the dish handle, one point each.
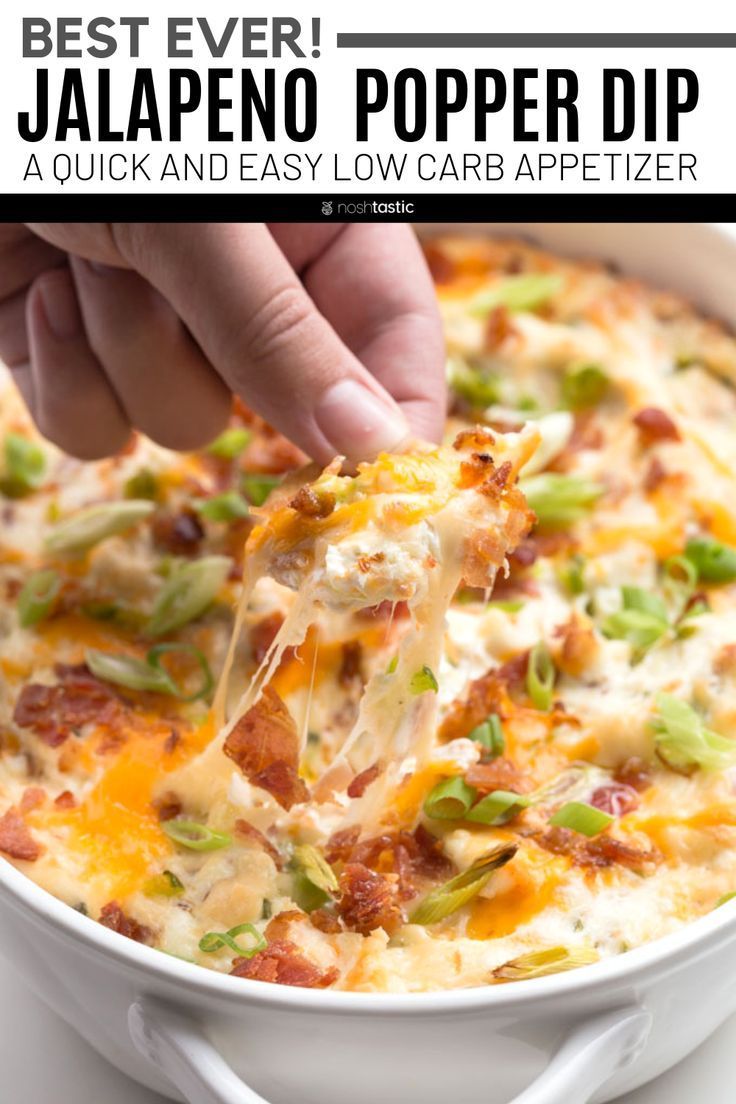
{"type": "Point", "coordinates": [588, 1056]}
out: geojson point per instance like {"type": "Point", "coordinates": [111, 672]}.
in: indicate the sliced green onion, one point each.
{"type": "Point", "coordinates": [685, 627]}
{"type": "Point", "coordinates": [490, 735]}
{"type": "Point", "coordinates": [195, 836]}
{"type": "Point", "coordinates": [125, 616]}
{"type": "Point", "coordinates": [258, 487]}
{"type": "Point", "coordinates": [560, 499]}
{"type": "Point", "coordinates": [450, 896]}
{"type": "Point", "coordinates": [641, 622]}
{"type": "Point", "coordinates": [571, 575]}
{"type": "Point", "coordinates": [581, 817]}
{"type": "Point", "coordinates": [724, 899]}
{"type": "Point", "coordinates": [314, 882]}
{"type": "Point", "coordinates": [450, 799]}
{"type": "Point", "coordinates": [552, 960]}
{"type": "Point", "coordinates": [148, 673]}
{"type": "Point", "coordinates": [479, 388]}
{"type": "Point", "coordinates": [393, 664]}
{"type": "Point", "coordinates": [316, 867]}
{"type": "Point", "coordinates": [683, 741]}
{"type": "Point", "coordinates": [165, 884]}
{"type": "Point", "coordinates": [223, 507]}
{"type": "Point", "coordinates": [423, 680]}
{"type": "Point", "coordinates": [187, 593]}
{"type": "Point", "coordinates": [540, 677]}
{"type": "Point", "coordinates": [143, 484]}
{"type": "Point", "coordinates": [510, 605]}
{"type": "Point", "coordinates": [636, 598]}
{"type": "Point", "coordinates": [583, 386]}
{"type": "Point", "coordinates": [36, 599]}
{"type": "Point", "coordinates": [230, 443]}
{"type": "Point", "coordinates": [640, 630]}
{"type": "Point", "coordinates": [498, 807]}
{"type": "Point", "coordinates": [215, 941]}
{"type": "Point", "coordinates": [714, 562]}
{"type": "Point", "coordinates": [95, 523]}
{"type": "Point", "coordinates": [525, 292]}
{"type": "Point", "coordinates": [680, 573]}
{"type": "Point", "coordinates": [25, 466]}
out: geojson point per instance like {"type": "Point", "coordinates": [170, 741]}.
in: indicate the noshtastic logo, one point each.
{"type": "Point", "coordinates": [326, 206]}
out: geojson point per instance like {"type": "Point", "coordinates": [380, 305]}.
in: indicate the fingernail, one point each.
{"type": "Point", "coordinates": [357, 423]}
{"type": "Point", "coordinates": [60, 306]}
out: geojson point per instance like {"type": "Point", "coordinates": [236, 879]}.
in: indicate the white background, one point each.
{"type": "Point", "coordinates": [705, 132]}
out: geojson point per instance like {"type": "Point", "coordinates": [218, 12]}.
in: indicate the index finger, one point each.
{"type": "Point", "coordinates": [372, 284]}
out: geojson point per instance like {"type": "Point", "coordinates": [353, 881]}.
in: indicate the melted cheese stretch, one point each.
{"type": "Point", "coordinates": [508, 365]}
{"type": "Point", "coordinates": [401, 530]}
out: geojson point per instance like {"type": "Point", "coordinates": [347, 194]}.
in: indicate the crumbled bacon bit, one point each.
{"type": "Point", "coordinates": [243, 828]}
{"type": "Point", "coordinates": [498, 327]}
{"type": "Point", "coordinates": [277, 928]}
{"type": "Point", "coordinates": [365, 563]}
{"type": "Point", "coordinates": [634, 772]}
{"type": "Point", "coordinates": [283, 963]}
{"type": "Point", "coordinates": [497, 481]}
{"type": "Point", "coordinates": [526, 554]}
{"type": "Point", "coordinates": [172, 741]}
{"type": "Point", "coordinates": [724, 662]}
{"type": "Point", "coordinates": [601, 851]}
{"type": "Point", "coordinates": [579, 646]}
{"type": "Point", "coordinates": [655, 425]}
{"type": "Point", "coordinates": [13, 588]}
{"type": "Point", "coordinates": [65, 800]}
{"type": "Point", "coordinates": [53, 713]}
{"type": "Point", "coordinates": [616, 799]}
{"type": "Point", "coordinates": [270, 453]}
{"type": "Point", "coordinates": [16, 839]}
{"type": "Point", "coordinates": [430, 861]}
{"type": "Point", "coordinates": [409, 855]}
{"type": "Point", "coordinates": [340, 844]}
{"type": "Point", "coordinates": [441, 267]}
{"type": "Point", "coordinates": [368, 900]}
{"type": "Point", "coordinates": [180, 534]}
{"type": "Point", "coordinates": [655, 474]}
{"type": "Point", "coordinates": [475, 470]}
{"type": "Point", "coordinates": [263, 634]}
{"type": "Point", "coordinates": [265, 745]}
{"type": "Point", "coordinates": [167, 806]}
{"type": "Point", "coordinates": [479, 439]}
{"type": "Point", "coordinates": [32, 798]}
{"type": "Point", "coordinates": [486, 550]}
{"type": "Point", "coordinates": [113, 917]}
{"type": "Point", "coordinates": [384, 611]}
{"type": "Point", "coordinates": [313, 503]}
{"type": "Point", "coordinates": [362, 781]}
{"type": "Point", "coordinates": [498, 774]}
{"type": "Point", "coordinates": [351, 666]}
{"type": "Point", "coordinates": [487, 694]}
{"type": "Point", "coordinates": [324, 920]}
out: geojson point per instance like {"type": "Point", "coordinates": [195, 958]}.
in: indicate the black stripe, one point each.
{"type": "Point", "coordinates": [474, 207]}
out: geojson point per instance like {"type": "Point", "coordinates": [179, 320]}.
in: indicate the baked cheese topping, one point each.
{"type": "Point", "coordinates": [375, 763]}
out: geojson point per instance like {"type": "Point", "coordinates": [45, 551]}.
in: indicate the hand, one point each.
{"type": "Point", "coordinates": [331, 333]}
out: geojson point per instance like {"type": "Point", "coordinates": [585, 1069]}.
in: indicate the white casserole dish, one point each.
{"type": "Point", "coordinates": [586, 1035]}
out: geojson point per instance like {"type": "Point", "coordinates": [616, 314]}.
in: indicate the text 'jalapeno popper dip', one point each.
{"type": "Point", "coordinates": [463, 717]}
